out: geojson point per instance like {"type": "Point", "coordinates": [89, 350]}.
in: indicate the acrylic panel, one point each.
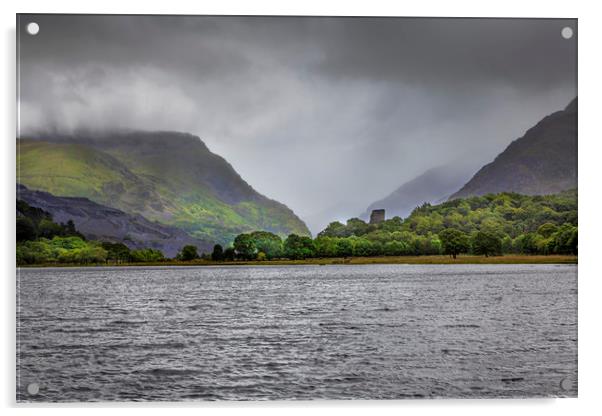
{"type": "Point", "coordinates": [295, 208]}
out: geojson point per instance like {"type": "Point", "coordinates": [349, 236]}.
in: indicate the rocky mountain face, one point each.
{"type": "Point", "coordinates": [102, 223]}
{"type": "Point", "coordinates": [433, 186]}
{"type": "Point", "coordinates": [543, 161]}
{"type": "Point", "coordinates": [166, 177]}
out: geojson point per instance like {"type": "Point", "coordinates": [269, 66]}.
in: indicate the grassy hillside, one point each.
{"type": "Point", "coordinates": [171, 178]}
{"type": "Point", "coordinates": [99, 222]}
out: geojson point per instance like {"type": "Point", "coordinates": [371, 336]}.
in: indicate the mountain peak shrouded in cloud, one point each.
{"type": "Point", "coordinates": [311, 111]}
{"type": "Point", "coordinates": [166, 177]}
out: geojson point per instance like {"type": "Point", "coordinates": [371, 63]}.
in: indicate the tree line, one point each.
{"type": "Point", "coordinates": [490, 225]}
{"type": "Point", "coordinates": [40, 240]}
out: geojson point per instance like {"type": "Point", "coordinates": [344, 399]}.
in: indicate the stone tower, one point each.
{"type": "Point", "coordinates": [377, 215]}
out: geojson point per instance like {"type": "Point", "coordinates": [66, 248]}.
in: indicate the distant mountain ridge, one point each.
{"type": "Point", "coordinates": [433, 186]}
{"type": "Point", "coordinates": [102, 223]}
{"type": "Point", "coordinates": [543, 161]}
{"type": "Point", "coordinates": [168, 177]}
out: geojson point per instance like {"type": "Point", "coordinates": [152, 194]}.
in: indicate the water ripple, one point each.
{"type": "Point", "coordinates": [298, 332]}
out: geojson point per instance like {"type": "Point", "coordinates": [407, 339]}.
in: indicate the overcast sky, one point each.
{"type": "Point", "coordinates": [326, 115]}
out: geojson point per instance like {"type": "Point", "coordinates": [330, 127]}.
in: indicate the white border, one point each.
{"type": "Point", "coordinates": [590, 206]}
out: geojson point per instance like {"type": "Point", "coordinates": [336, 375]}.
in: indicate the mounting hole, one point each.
{"type": "Point", "coordinates": [567, 32]}
{"type": "Point", "coordinates": [566, 384]}
{"type": "Point", "coordinates": [33, 388]}
{"type": "Point", "coordinates": [33, 28]}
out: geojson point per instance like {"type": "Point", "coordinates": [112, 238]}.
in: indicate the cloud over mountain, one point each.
{"type": "Point", "coordinates": [311, 111]}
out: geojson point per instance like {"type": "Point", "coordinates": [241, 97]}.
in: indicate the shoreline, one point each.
{"type": "Point", "coordinates": [437, 259]}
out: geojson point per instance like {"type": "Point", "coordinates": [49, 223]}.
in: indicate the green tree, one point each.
{"type": "Point", "coordinates": [188, 252]}
{"type": "Point", "coordinates": [60, 249]}
{"type": "Point", "coordinates": [391, 225]}
{"type": "Point", "coordinates": [244, 246]}
{"type": "Point", "coordinates": [229, 254]}
{"type": "Point", "coordinates": [356, 227]}
{"type": "Point", "coordinates": [547, 229]}
{"type": "Point", "coordinates": [380, 236]}
{"type": "Point", "coordinates": [487, 244]}
{"type": "Point", "coordinates": [117, 252]}
{"type": "Point", "coordinates": [565, 239]}
{"type": "Point", "coordinates": [26, 229]}
{"type": "Point", "coordinates": [506, 244]}
{"type": "Point", "coordinates": [435, 246]}
{"type": "Point", "coordinates": [326, 246]}
{"type": "Point", "coordinates": [49, 229]}
{"type": "Point", "coordinates": [268, 243]}
{"type": "Point", "coordinates": [298, 247]}
{"type": "Point", "coordinates": [395, 248]}
{"type": "Point", "coordinates": [454, 241]}
{"type": "Point", "coordinates": [218, 253]}
{"type": "Point", "coordinates": [70, 230]}
{"type": "Point", "coordinates": [147, 255]}
{"type": "Point", "coordinates": [344, 248]}
{"type": "Point", "coordinates": [334, 229]}
{"type": "Point", "coordinates": [525, 244]}
{"type": "Point", "coordinates": [36, 252]}
{"type": "Point", "coordinates": [364, 248]}
{"type": "Point", "coordinates": [89, 253]}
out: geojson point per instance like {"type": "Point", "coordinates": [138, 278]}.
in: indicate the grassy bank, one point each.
{"type": "Point", "coordinates": [507, 259]}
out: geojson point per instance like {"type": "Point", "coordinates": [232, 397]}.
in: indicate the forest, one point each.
{"type": "Point", "coordinates": [40, 240]}
{"type": "Point", "coordinates": [490, 225]}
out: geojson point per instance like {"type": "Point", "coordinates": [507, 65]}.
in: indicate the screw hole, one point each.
{"type": "Point", "coordinates": [566, 384]}
{"type": "Point", "coordinates": [33, 388]}
{"type": "Point", "coordinates": [567, 32]}
{"type": "Point", "coordinates": [33, 28]}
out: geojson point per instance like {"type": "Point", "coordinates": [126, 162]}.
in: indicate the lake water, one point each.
{"type": "Point", "coordinates": [297, 332]}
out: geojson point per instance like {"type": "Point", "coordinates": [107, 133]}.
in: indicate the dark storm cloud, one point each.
{"type": "Point", "coordinates": [453, 53]}
{"type": "Point", "coordinates": [447, 53]}
{"type": "Point", "coordinates": [348, 108]}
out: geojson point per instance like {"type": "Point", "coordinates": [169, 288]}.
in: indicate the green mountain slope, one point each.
{"type": "Point", "coordinates": [99, 222]}
{"type": "Point", "coordinates": [167, 177]}
{"type": "Point", "coordinates": [543, 161]}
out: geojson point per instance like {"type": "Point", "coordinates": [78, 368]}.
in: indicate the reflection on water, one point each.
{"type": "Point", "coordinates": [297, 332]}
